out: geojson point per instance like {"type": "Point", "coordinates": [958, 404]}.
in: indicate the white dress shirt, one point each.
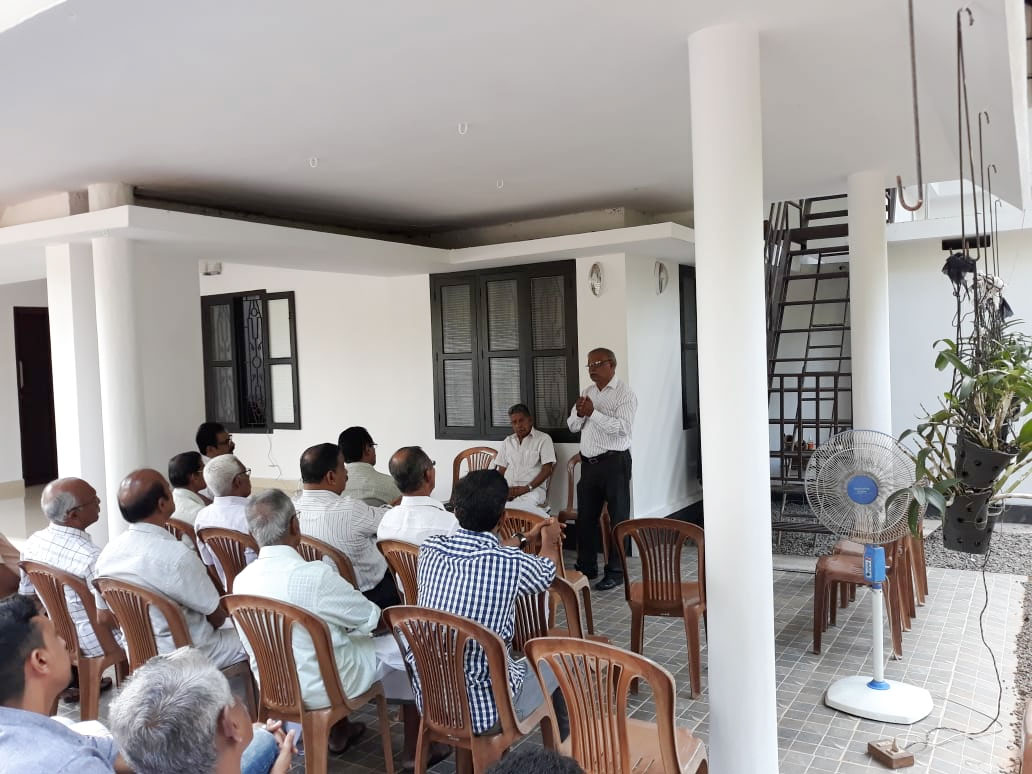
{"type": "Point", "coordinates": [415, 519]}
{"type": "Point", "coordinates": [188, 504]}
{"type": "Point", "coordinates": [281, 573]}
{"type": "Point", "coordinates": [609, 426]}
{"type": "Point", "coordinates": [369, 485]}
{"type": "Point", "coordinates": [348, 525]}
{"type": "Point", "coordinates": [226, 513]}
{"type": "Point", "coordinates": [73, 551]}
{"type": "Point", "coordinates": [147, 555]}
{"type": "Point", "coordinates": [523, 462]}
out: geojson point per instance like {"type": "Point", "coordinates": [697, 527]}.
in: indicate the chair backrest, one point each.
{"type": "Point", "coordinates": [595, 680]}
{"type": "Point", "coordinates": [515, 520]}
{"type": "Point", "coordinates": [438, 643]}
{"type": "Point", "coordinates": [314, 550]}
{"type": "Point", "coordinates": [476, 458]}
{"type": "Point", "coordinates": [268, 625]}
{"type": "Point", "coordinates": [131, 605]}
{"type": "Point", "coordinates": [571, 480]}
{"type": "Point", "coordinates": [403, 559]}
{"type": "Point", "coordinates": [659, 543]}
{"type": "Point", "coordinates": [51, 584]}
{"type": "Point", "coordinates": [532, 613]}
{"type": "Point", "coordinates": [229, 547]}
{"type": "Point", "coordinates": [178, 528]}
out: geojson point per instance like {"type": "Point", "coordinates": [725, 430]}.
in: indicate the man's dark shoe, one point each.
{"type": "Point", "coordinates": [590, 573]}
{"type": "Point", "coordinates": [609, 582]}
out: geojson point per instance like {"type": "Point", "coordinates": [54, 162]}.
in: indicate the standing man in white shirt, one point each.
{"type": "Point", "coordinates": [365, 482]}
{"type": "Point", "coordinates": [526, 459]}
{"type": "Point", "coordinates": [230, 482]}
{"type": "Point", "coordinates": [418, 515]}
{"type": "Point", "coordinates": [604, 416]}
{"type": "Point", "coordinates": [186, 474]}
{"type": "Point", "coordinates": [349, 525]}
{"type": "Point", "coordinates": [148, 555]}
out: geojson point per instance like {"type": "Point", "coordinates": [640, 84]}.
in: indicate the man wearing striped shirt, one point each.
{"type": "Point", "coordinates": [604, 416]}
{"type": "Point", "coordinates": [474, 574]}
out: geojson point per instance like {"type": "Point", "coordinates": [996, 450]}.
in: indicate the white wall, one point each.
{"type": "Point", "coordinates": [921, 311]}
{"type": "Point", "coordinates": [660, 451]}
{"type": "Point", "coordinates": [17, 294]}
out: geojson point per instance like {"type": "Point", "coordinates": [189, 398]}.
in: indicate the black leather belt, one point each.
{"type": "Point", "coordinates": [597, 459]}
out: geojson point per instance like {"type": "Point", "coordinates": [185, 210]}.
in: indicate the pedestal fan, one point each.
{"type": "Point", "coordinates": [849, 483]}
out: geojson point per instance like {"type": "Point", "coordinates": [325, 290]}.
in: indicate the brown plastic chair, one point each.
{"type": "Point", "coordinates": [403, 560]}
{"type": "Point", "coordinates": [314, 550]}
{"type": "Point", "coordinates": [595, 680]}
{"type": "Point", "coordinates": [268, 625]}
{"type": "Point", "coordinates": [131, 605]}
{"type": "Point", "coordinates": [476, 458]}
{"type": "Point", "coordinates": [180, 529]}
{"type": "Point", "coordinates": [438, 643]}
{"type": "Point", "coordinates": [517, 521]}
{"type": "Point", "coordinates": [662, 591]}
{"type": "Point", "coordinates": [848, 569]}
{"type": "Point", "coordinates": [908, 590]}
{"type": "Point", "coordinates": [535, 615]}
{"type": "Point", "coordinates": [568, 515]}
{"type": "Point", "coordinates": [53, 585]}
{"type": "Point", "coordinates": [229, 547]}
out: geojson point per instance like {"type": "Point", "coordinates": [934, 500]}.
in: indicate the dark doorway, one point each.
{"type": "Point", "coordinates": [35, 394]}
{"type": "Point", "coordinates": [690, 371]}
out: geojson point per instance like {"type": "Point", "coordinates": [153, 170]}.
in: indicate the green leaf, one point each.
{"type": "Point", "coordinates": [936, 500]}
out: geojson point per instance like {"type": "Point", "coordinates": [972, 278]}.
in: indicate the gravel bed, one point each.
{"type": "Point", "coordinates": [1023, 675]}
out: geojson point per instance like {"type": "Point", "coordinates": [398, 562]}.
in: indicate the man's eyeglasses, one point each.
{"type": "Point", "coordinates": [244, 472]}
{"type": "Point", "coordinates": [94, 501]}
{"type": "Point", "coordinates": [598, 363]}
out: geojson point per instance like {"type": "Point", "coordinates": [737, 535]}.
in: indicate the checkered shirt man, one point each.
{"type": "Point", "coordinates": [471, 574]}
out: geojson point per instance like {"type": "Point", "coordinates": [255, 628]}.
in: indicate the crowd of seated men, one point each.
{"type": "Point", "coordinates": [177, 712]}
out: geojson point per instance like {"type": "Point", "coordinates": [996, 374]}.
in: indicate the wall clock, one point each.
{"type": "Point", "coordinates": [595, 279]}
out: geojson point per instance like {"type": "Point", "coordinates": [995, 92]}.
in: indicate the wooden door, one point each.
{"type": "Point", "coordinates": [35, 394]}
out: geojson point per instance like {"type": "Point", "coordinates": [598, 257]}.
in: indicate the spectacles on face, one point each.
{"type": "Point", "coordinates": [598, 363]}
{"type": "Point", "coordinates": [244, 472]}
{"type": "Point", "coordinates": [94, 501]}
{"type": "Point", "coordinates": [227, 442]}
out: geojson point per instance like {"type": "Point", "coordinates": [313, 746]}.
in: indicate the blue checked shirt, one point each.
{"type": "Point", "coordinates": [471, 574]}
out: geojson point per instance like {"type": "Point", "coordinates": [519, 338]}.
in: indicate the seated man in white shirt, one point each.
{"type": "Point", "coordinates": [419, 515]}
{"type": "Point", "coordinates": [526, 459]}
{"type": "Point", "coordinates": [365, 482]}
{"type": "Point", "coordinates": [186, 474]}
{"type": "Point", "coordinates": [146, 554]}
{"type": "Point", "coordinates": [281, 573]}
{"type": "Point", "coordinates": [328, 514]}
{"type": "Point", "coordinates": [230, 482]}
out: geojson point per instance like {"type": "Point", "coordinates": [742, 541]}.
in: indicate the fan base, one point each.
{"type": "Point", "coordinates": [899, 703]}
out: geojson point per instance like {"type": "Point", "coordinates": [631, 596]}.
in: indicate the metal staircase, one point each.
{"type": "Point", "coordinates": [808, 356]}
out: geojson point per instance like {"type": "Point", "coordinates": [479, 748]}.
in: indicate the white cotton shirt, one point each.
{"type": "Point", "coordinates": [415, 519]}
{"type": "Point", "coordinates": [281, 573]}
{"type": "Point", "coordinates": [369, 485]}
{"type": "Point", "coordinates": [225, 513]}
{"type": "Point", "coordinates": [149, 556]}
{"type": "Point", "coordinates": [188, 504]}
{"type": "Point", "coordinates": [609, 426]}
{"type": "Point", "coordinates": [523, 461]}
{"type": "Point", "coordinates": [348, 525]}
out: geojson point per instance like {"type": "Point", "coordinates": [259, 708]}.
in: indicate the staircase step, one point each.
{"type": "Point", "coordinates": [827, 198]}
{"type": "Point", "coordinates": [831, 251]}
{"type": "Point", "coordinates": [828, 214]}
{"type": "Point", "coordinates": [815, 329]}
{"type": "Point", "coordinates": [816, 301]}
{"type": "Point", "coordinates": [825, 346]}
{"type": "Point", "coordinates": [828, 231]}
{"type": "Point", "coordinates": [829, 275]}
{"type": "Point", "coordinates": [816, 358]}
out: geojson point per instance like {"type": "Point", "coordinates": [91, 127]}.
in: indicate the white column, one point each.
{"type": "Point", "coordinates": [869, 302]}
{"type": "Point", "coordinates": [727, 159]}
{"type": "Point", "coordinates": [121, 384]}
{"type": "Point", "coordinates": [73, 347]}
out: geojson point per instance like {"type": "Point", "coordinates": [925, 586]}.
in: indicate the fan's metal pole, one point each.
{"type": "Point", "coordinates": [878, 611]}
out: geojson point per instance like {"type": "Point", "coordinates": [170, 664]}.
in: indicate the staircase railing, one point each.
{"type": "Point", "coordinates": [778, 262]}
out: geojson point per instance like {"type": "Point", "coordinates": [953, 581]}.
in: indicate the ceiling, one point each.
{"type": "Point", "coordinates": [350, 112]}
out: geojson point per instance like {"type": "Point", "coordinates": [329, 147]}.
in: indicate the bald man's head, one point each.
{"type": "Point", "coordinates": [145, 495]}
{"type": "Point", "coordinates": [70, 502]}
{"type": "Point", "coordinates": [413, 471]}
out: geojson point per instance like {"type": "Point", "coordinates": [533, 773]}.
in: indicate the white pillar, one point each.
{"type": "Point", "coordinates": [869, 302]}
{"type": "Point", "coordinates": [727, 159]}
{"type": "Point", "coordinates": [73, 348]}
{"type": "Point", "coordinates": [121, 384]}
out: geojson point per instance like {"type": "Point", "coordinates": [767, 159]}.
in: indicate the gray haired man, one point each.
{"type": "Point", "coordinates": [177, 714]}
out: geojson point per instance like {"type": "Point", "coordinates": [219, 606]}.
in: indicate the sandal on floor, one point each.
{"type": "Point", "coordinates": [343, 741]}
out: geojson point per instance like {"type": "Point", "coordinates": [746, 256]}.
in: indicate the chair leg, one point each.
{"type": "Point", "coordinates": [637, 638]}
{"type": "Point", "coordinates": [588, 616]}
{"type": "Point", "coordinates": [818, 610]}
{"type": "Point", "coordinates": [892, 603]}
{"type": "Point", "coordinates": [832, 606]}
{"type": "Point", "coordinates": [843, 595]}
{"type": "Point", "coordinates": [691, 628]}
{"type": "Point", "coordinates": [315, 728]}
{"type": "Point", "coordinates": [423, 750]}
{"type": "Point", "coordinates": [385, 733]}
{"type": "Point", "coordinates": [463, 762]}
{"type": "Point", "coordinates": [89, 688]}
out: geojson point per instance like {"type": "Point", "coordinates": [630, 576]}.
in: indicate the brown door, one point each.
{"type": "Point", "coordinates": [35, 394]}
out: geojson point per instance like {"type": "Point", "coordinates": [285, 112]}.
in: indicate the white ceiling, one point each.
{"type": "Point", "coordinates": [573, 105]}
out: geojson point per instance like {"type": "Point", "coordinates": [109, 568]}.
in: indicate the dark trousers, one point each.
{"type": "Point", "coordinates": [385, 593]}
{"type": "Point", "coordinates": [605, 482]}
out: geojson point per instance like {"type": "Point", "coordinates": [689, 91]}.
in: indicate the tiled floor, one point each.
{"type": "Point", "coordinates": [944, 653]}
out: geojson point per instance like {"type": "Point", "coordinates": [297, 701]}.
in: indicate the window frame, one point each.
{"type": "Point", "coordinates": [208, 364]}
{"type": "Point", "coordinates": [481, 356]}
